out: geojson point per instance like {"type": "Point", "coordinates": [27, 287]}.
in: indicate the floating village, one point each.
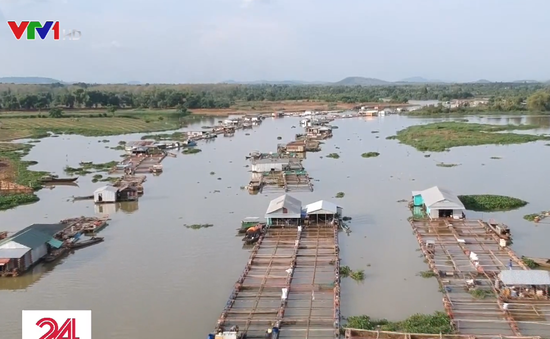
{"type": "Point", "coordinates": [290, 285]}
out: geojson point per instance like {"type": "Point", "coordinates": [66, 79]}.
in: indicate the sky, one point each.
{"type": "Point", "coordinates": [184, 41]}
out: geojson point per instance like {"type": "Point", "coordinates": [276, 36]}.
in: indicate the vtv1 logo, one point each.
{"type": "Point", "coordinates": [57, 325]}
{"type": "Point", "coordinates": [33, 27]}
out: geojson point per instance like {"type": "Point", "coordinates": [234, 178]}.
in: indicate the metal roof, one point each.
{"type": "Point", "coordinates": [284, 161]}
{"type": "Point", "coordinates": [13, 253]}
{"type": "Point", "coordinates": [440, 198]}
{"type": "Point", "coordinates": [292, 205]}
{"type": "Point", "coordinates": [55, 243]}
{"type": "Point", "coordinates": [107, 188]}
{"type": "Point", "coordinates": [322, 207]}
{"type": "Point", "coordinates": [525, 277]}
{"type": "Point", "coordinates": [31, 238]}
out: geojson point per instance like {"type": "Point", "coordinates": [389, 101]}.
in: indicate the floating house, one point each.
{"type": "Point", "coordinates": [319, 132]}
{"type": "Point", "coordinates": [439, 203]}
{"type": "Point", "coordinates": [27, 247]}
{"type": "Point", "coordinates": [322, 211]}
{"type": "Point", "coordinates": [112, 194]}
{"type": "Point", "coordinates": [296, 146]}
{"type": "Point", "coordinates": [284, 211]}
{"type": "Point", "coordinates": [269, 165]}
{"type": "Point", "coordinates": [525, 284]}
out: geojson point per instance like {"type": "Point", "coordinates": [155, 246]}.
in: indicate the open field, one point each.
{"type": "Point", "coordinates": [18, 128]}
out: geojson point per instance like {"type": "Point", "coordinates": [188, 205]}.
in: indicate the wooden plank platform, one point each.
{"type": "Point", "coordinates": [303, 261]}
{"type": "Point", "coordinates": [450, 261]}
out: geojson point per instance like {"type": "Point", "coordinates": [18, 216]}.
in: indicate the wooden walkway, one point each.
{"type": "Point", "coordinates": [478, 313]}
{"type": "Point", "coordinates": [305, 263]}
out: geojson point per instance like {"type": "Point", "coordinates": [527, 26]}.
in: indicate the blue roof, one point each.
{"type": "Point", "coordinates": [55, 243]}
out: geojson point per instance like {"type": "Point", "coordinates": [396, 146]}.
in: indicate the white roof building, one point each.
{"type": "Point", "coordinates": [323, 207]}
{"type": "Point", "coordinates": [284, 207]}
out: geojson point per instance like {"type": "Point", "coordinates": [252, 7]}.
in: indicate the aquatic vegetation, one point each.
{"type": "Point", "coordinates": [14, 200]}
{"type": "Point", "coordinates": [490, 203]}
{"type": "Point", "coordinates": [436, 323]}
{"type": "Point", "coordinates": [529, 262]}
{"type": "Point", "coordinates": [531, 217]}
{"type": "Point", "coordinates": [370, 154]}
{"type": "Point", "coordinates": [90, 168]}
{"type": "Point", "coordinates": [442, 164]}
{"type": "Point", "coordinates": [333, 156]}
{"type": "Point", "coordinates": [345, 271]}
{"type": "Point", "coordinates": [340, 194]}
{"type": "Point", "coordinates": [441, 136]}
{"type": "Point", "coordinates": [198, 226]}
{"type": "Point", "coordinates": [357, 275]}
{"type": "Point", "coordinates": [427, 274]}
{"type": "Point", "coordinates": [496, 158]}
{"type": "Point", "coordinates": [191, 151]}
{"type": "Point", "coordinates": [480, 294]}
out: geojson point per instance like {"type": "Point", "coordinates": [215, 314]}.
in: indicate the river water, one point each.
{"type": "Point", "coordinates": [154, 278]}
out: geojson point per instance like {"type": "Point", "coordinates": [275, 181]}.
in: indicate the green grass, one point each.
{"type": "Point", "coordinates": [18, 170]}
{"type": "Point", "coordinates": [370, 155]}
{"type": "Point", "coordinates": [441, 136]}
{"type": "Point", "coordinates": [480, 294]}
{"type": "Point", "coordinates": [340, 194]}
{"type": "Point", "coordinates": [333, 156]}
{"type": "Point", "coordinates": [90, 168]}
{"type": "Point", "coordinates": [436, 323]}
{"type": "Point", "coordinates": [13, 200]}
{"type": "Point", "coordinates": [35, 125]}
{"type": "Point", "coordinates": [490, 203]}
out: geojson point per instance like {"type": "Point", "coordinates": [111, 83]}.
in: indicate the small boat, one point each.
{"type": "Point", "coordinates": [501, 230]}
{"type": "Point", "coordinates": [253, 234]}
{"type": "Point", "coordinates": [53, 256]}
{"type": "Point", "coordinates": [86, 243]}
{"type": "Point", "coordinates": [84, 163]}
{"type": "Point", "coordinates": [54, 178]}
{"type": "Point", "coordinates": [190, 143]}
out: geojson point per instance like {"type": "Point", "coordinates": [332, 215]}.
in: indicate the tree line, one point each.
{"type": "Point", "coordinates": [81, 95]}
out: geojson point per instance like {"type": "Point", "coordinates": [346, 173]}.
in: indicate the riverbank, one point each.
{"type": "Point", "coordinates": [17, 182]}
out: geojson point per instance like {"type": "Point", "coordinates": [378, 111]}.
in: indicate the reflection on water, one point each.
{"type": "Point", "coordinates": [153, 277]}
{"type": "Point", "coordinates": [126, 207]}
{"type": "Point", "coordinates": [29, 278]}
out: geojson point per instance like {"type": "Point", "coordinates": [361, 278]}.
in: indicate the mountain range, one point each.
{"type": "Point", "coordinates": [349, 81]}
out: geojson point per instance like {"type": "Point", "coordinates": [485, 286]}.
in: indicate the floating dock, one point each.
{"type": "Point", "coordinates": [291, 281]}
{"type": "Point", "coordinates": [449, 246]}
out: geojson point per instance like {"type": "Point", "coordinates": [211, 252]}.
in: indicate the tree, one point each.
{"type": "Point", "coordinates": [539, 101]}
{"type": "Point", "coordinates": [56, 113]}
{"type": "Point", "coordinates": [112, 110]}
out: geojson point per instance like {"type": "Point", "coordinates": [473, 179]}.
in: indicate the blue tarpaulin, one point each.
{"type": "Point", "coordinates": [55, 243]}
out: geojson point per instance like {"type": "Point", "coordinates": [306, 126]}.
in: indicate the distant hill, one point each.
{"type": "Point", "coordinates": [29, 80]}
{"type": "Point", "coordinates": [266, 82]}
{"type": "Point", "coordinates": [133, 83]}
{"type": "Point", "coordinates": [360, 81]}
{"type": "Point", "coordinates": [421, 80]}
{"type": "Point", "coordinates": [482, 81]}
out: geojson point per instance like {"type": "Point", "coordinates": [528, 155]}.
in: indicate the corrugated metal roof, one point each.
{"type": "Point", "coordinates": [284, 161]}
{"type": "Point", "coordinates": [293, 206]}
{"type": "Point", "coordinates": [50, 229]}
{"type": "Point", "coordinates": [322, 207]}
{"type": "Point", "coordinates": [525, 277]}
{"type": "Point", "coordinates": [441, 198]}
{"type": "Point", "coordinates": [31, 238]}
{"type": "Point", "coordinates": [13, 253]}
{"type": "Point", "coordinates": [107, 188]}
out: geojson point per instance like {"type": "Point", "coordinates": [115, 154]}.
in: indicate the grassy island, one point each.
{"type": "Point", "coordinates": [441, 136]}
{"type": "Point", "coordinates": [370, 155]}
{"type": "Point", "coordinates": [490, 203]}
